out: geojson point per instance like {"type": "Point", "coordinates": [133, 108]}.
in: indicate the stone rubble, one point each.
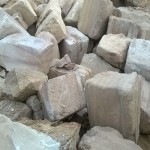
{"type": "Point", "coordinates": [76, 72]}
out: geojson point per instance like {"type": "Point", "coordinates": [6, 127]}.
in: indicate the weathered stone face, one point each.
{"type": "Point", "coordinates": [15, 110]}
{"type": "Point", "coordinates": [75, 45]}
{"type": "Point", "coordinates": [27, 52]}
{"type": "Point", "coordinates": [62, 96]}
{"type": "Point", "coordinates": [105, 138]}
{"type": "Point", "coordinates": [96, 64]}
{"type": "Point", "coordinates": [121, 95]}
{"type": "Point", "coordinates": [93, 20]}
{"type": "Point", "coordinates": [24, 83]}
{"type": "Point", "coordinates": [113, 49]}
{"type": "Point", "coordinates": [138, 58]}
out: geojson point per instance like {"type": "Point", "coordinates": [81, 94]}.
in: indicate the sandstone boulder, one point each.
{"type": "Point", "coordinates": [121, 95]}
{"type": "Point", "coordinates": [93, 20]}
{"type": "Point", "coordinates": [17, 135]}
{"type": "Point", "coordinates": [72, 18]}
{"type": "Point", "coordinates": [105, 139]}
{"type": "Point", "coordinates": [9, 26]}
{"type": "Point", "coordinates": [15, 110]}
{"type": "Point", "coordinates": [25, 9]}
{"type": "Point", "coordinates": [62, 96]}
{"type": "Point", "coordinates": [113, 48]}
{"type": "Point", "coordinates": [67, 134]}
{"type": "Point", "coordinates": [118, 25]}
{"type": "Point", "coordinates": [138, 58]}
{"type": "Point", "coordinates": [75, 45]}
{"type": "Point", "coordinates": [24, 83]}
{"type": "Point", "coordinates": [96, 64]}
{"type": "Point", "coordinates": [28, 52]}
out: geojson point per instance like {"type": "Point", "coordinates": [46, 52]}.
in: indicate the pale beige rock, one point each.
{"type": "Point", "coordinates": [65, 6]}
{"type": "Point", "coordinates": [93, 20]}
{"type": "Point", "coordinates": [9, 26]}
{"type": "Point", "coordinates": [62, 96]}
{"type": "Point", "coordinates": [3, 2]}
{"type": "Point", "coordinates": [96, 64]}
{"type": "Point", "coordinates": [121, 95]}
{"type": "Point", "coordinates": [67, 134]}
{"type": "Point", "coordinates": [113, 49]}
{"type": "Point", "coordinates": [118, 25]}
{"type": "Point", "coordinates": [18, 17]}
{"type": "Point", "coordinates": [28, 52]}
{"type": "Point", "coordinates": [15, 110]}
{"type": "Point", "coordinates": [17, 135]}
{"type": "Point", "coordinates": [40, 9]}
{"type": "Point", "coordinates": [105, 139]}
{"type": "Point", "coordinates": [72, 18]}
{"type": "Point", "coordinates": [24, 83]}
{"type": "Point", "coordinates": [55, 25]}
{"type": "Point", "coordinates": [75, 45]}
{"type": "Point", "coordinates": [25, 9]}
{"type": "Point", "coordinates": [84, 72]}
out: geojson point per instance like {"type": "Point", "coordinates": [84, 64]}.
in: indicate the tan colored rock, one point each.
{"type": "Point", "coordinates": [75, 45]}
{"type": "Point", "coordinates": [40, 9]}
{"type": "Point", "coordinates": [118, 25]}
{"type": "Point", "coordinates": [24, 83]}
{"type": "Point", "coordinates": [113, 49]}
{"type": "Point", "coordinates": [121, 95]}
{"type": "Point", "coordinates": [72, 18]}
{"type": "Point", "coordinates": [93, 20]}
{"type": "Point", "coordinates": [25, 9]}
{"type": "Point", "coordinates": [67, 134]}
{"type": "Point", "coordinates": [62, 96]}
{"type": "Point", "coordinates": [96, 64]}
{"type": "Point", "coordinates": [136, 3]}
{"type": "Point", "coordinates": [18, 17]}
{"type": "Point", "coordinates": [65, 6]}
{"type": "Point", "coordinates": [15, 110]}
{"type": "Point", "coordinates": [3, 2]}
{"type": "Point", "coordinates": [9, 26]}
{"type": "Point", "coordinates": [106, 139]}
{"type": "Point", "coordinates": [28, 52]}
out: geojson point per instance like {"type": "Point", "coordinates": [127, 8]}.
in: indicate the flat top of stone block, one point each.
{"type": "Point", "coordinates": [113, 80]}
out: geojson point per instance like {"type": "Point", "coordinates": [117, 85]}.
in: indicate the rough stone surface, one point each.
{"type": "Point", "coordinates": [67, 134]}
{"type": "Point", "coordinates": [34, 103]}
{"type": "Point", "coordinates": [75, 45]}
{"type": "Point", "coordinates": [73, 16]}
{"type": "Point", "coordinates": [51, 21]}
{"type": "Point", "coordinates": [118, 25]}
{"type": "Point", "coordinates": [18, 17]}
{"type": "Point", "coordinates": [138, 58]}
{"type": "Point", "coordinates": [40, 9]}
{"type": "Point", "coordinates": [93, 20]}
{"type": "Point", "coordinates": [144, 142]}
{"type": "Point", "coordinates": [136, 3]}
{"type": "Point", "coordinates": [105, 139]}
{"type": "Point", "coordinates": [9, 26]}
{"type": "Point", "coordinates": [122, 93]}
{"type": "Point", "coordinates": [38, 115]}
{"type": "Point", "coordinates": [84, 72]}
{"type": "Point", "coordinates": [17, 135]}
{"type": "Point", "coordinates": [145, 103]}
{"type": "Point", "coordinates": [3, 2]}
{"type": "Point", "coordinates": [28, 52]}
{"type": "Point", "coordinates": [25, 9]}
{"type": "Point", "coordinates": [24, 83]}
{"type": "Point", "coordinates": [65, 6]}
{"type": "Point", "coordinates": [113, 49]}
{"type": "Point", "coordinates": [15, 110]}
{"type": "Point", "coordinates": [96, 64]}
{"type": "Point", "coordinates": [62, 96]}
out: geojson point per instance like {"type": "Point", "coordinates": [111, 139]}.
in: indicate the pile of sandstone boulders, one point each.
{"type": "Point", "coordinates": [75, 74]}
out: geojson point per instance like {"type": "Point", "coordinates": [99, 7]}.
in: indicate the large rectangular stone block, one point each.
{"type": "Point", "coordinates": [113, 100]}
